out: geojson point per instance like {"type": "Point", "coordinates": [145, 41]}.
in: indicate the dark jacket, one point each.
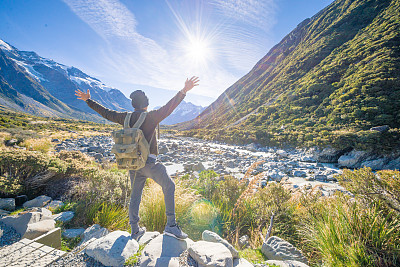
{"type": "Point", "coordinates": [148, 127]}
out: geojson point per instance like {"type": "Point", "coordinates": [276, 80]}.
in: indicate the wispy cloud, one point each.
{"type": "Point", "coordinates": [135, 58]}
{"type": "Point", "coordinates": [257, 13]}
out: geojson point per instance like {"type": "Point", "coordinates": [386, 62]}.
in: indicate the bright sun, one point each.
{"type": "Point", "coordinates": [198, 51]}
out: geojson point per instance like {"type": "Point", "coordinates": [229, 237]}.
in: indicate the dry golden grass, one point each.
{"type": "Point", "coordinates": [38, 144]}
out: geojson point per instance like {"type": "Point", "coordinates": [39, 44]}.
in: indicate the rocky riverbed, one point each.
{"type": "Point", "coordinates": [297, 169]}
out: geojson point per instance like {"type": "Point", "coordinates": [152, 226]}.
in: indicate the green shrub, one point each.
{"type": "Point", "coordinates": [348, 233]}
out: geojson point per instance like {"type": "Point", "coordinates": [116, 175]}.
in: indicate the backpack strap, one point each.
{"type": "Point", "coordinates": [127, 120]}
{"type": "Point", "coordinates": [140, 121]}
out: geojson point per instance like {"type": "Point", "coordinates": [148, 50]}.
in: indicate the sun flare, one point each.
{"type": "Point", "coordinates": [198, 50]}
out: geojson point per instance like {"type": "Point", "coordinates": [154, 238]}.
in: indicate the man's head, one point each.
{"type": "Point", "coordinates": [139, 100]}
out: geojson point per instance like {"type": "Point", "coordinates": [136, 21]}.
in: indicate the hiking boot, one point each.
{"type": "Point", "coordinates": [175, 231]}
{"type": "Point", "coordinates": [139, 233]}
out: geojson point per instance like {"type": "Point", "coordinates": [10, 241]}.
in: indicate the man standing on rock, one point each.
{"type": "Point", "coordinates": [152, 169]}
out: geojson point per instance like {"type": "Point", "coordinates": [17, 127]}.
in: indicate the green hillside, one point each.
{"type": "Point", "coordinates": [329, 81]}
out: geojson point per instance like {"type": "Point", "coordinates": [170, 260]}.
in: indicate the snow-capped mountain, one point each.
{"type": "Point", "coordinates": [184, 112]}
{"type": "Point", "coordinates": [61, 81]}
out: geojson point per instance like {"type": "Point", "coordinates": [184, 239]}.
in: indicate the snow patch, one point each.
{"type": "Point", "coordinates": [5, 46]}
{"type": "Point", "coordinates": [29, 69]}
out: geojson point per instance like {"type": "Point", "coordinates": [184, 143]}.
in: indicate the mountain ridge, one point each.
{"type": "Point", "coordinates": [317, 81]}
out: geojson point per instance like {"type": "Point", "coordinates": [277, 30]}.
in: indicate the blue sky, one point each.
{"type": "Point", "coordinates": [156, 43]}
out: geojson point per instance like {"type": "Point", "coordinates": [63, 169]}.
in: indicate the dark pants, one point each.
{"type": "Point", "coordinates": [158, 173]}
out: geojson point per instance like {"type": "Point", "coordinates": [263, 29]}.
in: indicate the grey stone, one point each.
{"type": "Point", "coordinates": [382, 129]}
{"type": "Point", "coordinates": [328, 155]}
{"type": "Point", "coordinates": [352, 159]}
{"type": "Point", "coordinates": [298, 173]}
{"type": "Point", "coordinates": [37, 202]}
{"type": "Point", "coordinates": [54, 204]}
{"type": "Point", "coordinates": [393, 164]}
{"type": "Point", "coordinates": [113, 249]}
{"type": "Point", "coordinates": [163, 249]}
{"type": "Point", "coordinates": [282, 153]}
{"type": "Point", "coordinates": [213, 237]}
{"type": "Point", "coordinates": [147, 237]}
{"type": "Point", "coordinates": [244, 241]}
{"type": "Point", "coordinates": [287, 263]}
{"type": "Point", "coordinates": [276, 248]}
{"type": "Point", "coordinates": [73, 233]}
{"type": "Point", "coordinates": [64, 216]}
{"type": "Point", "coordinates": [44, 211]}
{"type": "Point", "coordinates": [92, 233]}
{"type": "Point", "coordinates": [210, 254]}
{"type": "Point", "coordinates": [374, 164]}
{"type": "Point", "coordinates": [11, 142]}
{"type": "Point", "coordinates": [321, 177]}
{"type": "Point", "coordinates": [30, 225]}
{"type": "Point", "coordinates": [241, 263]}
{"type": "Point", "coordinates": [4, 212]}
{"type": "Point", "coordinates": [7, 204]}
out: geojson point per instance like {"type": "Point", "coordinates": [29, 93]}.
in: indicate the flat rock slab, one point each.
{"type": "Point", "coordinates": [214, 237]}
{"type": "Point", "coordinates": [147, 237]}
{"type": "Point", "coordinates": [211, 254]}
{"type": "Point", "coordinates": [276, 248]}
{"type": "Point", "coordinates": [113, 249]}
{"type": "Point", "coordinates": [28, 253]}
{"type": "Point", "coordinates": [163, 249]}
{"type": "Point", "coordinates": [30, 225]}
{"type": "Point", "coordinates": [65, 216]}
{"type": "Point", "coordinates": [37, 202]}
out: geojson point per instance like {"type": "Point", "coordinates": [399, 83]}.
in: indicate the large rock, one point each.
{"type": "Point", "coordinates": [328, 155]}
{"type": "Point", "coordinates": [211, 254]}
{"type": "Point", "coordinates": [147, 237]}
{"type": "Point", "coordinates": [374, 164]}
{"type": "Point", "coordinates": [352, 159]}
{"type": "Point", "coordinates": [64, 216]}
{"type": "Point", "coordinates": [287, 263]}
{"type": "Point", "coordinates": [241, 263]}
{"type": "Point", "coordinates": [30, 225]}
{"type": "Point", "coordinates": [37, 202]}
{"type": "Point", "coordinates": [113, 249]}
{"type": "Point", "coordinates": [276, 248]}
{"type": "Point", "coordinates": [213, 237]}
{"type": "Point", "coordinates": [92, 233]}
{"type": "Point", "coordinates": [7, 204]}
{"type": "Point", "coordinates": [163, 251]}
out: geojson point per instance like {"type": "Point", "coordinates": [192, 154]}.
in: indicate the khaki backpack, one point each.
{"type": "Point", "coordinates": [131, 148]}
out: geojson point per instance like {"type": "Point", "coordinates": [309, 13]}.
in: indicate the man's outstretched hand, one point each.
{"type": "Point", "coordinates": [189, 84]}
{"type": "Point", "coordinates": [82, 95]}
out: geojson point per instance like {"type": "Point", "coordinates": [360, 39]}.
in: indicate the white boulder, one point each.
{"type": "Point", "coordinates": [113, 249]}
{"type": "Point", "coordinates": [213, 237]}
{"type": "Point", "coordinates": [64, 216]}
{"type": "Point", "coordinates": [147, 237]}
{"type": "Point", "coordinates": [92, 233]}
{"type": "Point", "coordinates": [163, 251]}
{"type": "Point", "coordinates": [211, 254]}
{"type": "Point", "coordinates": [30, 225]}
{"type": "Point", "coordinates": [276, 248]}
{"type": "Point", "coordinates": [37, 202]}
